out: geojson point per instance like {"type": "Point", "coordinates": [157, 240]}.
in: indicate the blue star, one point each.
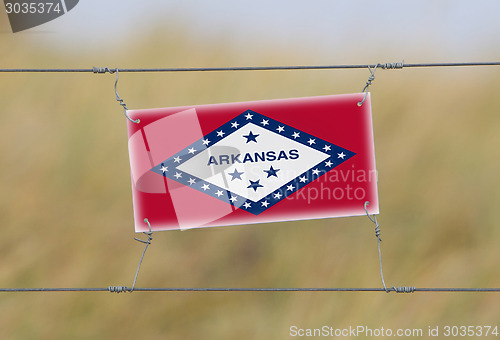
{"type": "Point", "coordinates": [235, 174]}
{"type": "Point", "coordinates": [271, 172]}
{"type": "Point", "coordinates": [251, 137]}
{"type": "Point", "coordinates": [255, 185]}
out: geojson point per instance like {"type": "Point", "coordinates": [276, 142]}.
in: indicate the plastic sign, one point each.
{"type": "Point", "coordinates": [252, 162]}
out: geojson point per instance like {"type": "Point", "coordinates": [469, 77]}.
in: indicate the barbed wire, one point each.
{"type": "Point", "coordinates": [398, 65]}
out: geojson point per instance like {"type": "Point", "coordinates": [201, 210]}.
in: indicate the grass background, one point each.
{"type": "Point", "coordinates": [66, 207]}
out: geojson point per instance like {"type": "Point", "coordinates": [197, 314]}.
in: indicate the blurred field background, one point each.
{"type": "Point", "coordinates": [66, 206]}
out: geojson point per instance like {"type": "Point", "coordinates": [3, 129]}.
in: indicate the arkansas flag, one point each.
{"type": "Point", "coordinates": [252, 162]}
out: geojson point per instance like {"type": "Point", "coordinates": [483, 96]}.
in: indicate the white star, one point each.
{"type": "Point", "coordinates": [280, 129]}
{"type": "Point", "coordinates": [177, 159]}
{"type": "Point", "coordinates": [248, 116]}
{"type": "Point", "coordinates": [233, 199]}
{"type": "Point", "coordinates": [191, 150]}
{"type": "Point", "coordinates": [315, 172]}
{"type": "Point", "coordinates": [178, 175]}
{"type": "Point", "coordinates": [220, 133]}
{"type": "Point", "coordinates": [219, 193]}
{"type": "Point", "coordinates": [341, 155]}
{"type": "Point", "coordinates": [290, 187]}
{"type": "Point", "coordinates": [205, 187]}
{"type": "Point", "coordinates": [311, 141]}
{"type": "Point", "coordinates": [206, 141]}
{"type": "Point", "coordinates": [296, 134]}
{"type": "Point", "coordinates": [277, 195]}
{"type": "Point", "coordinates": [234, 124]}
{"type": "Point", "coordinates": [192, 181]}
{"type": "Point", "coordinates": [247, 205]}
{"type": "Point", "coordinates": [164, 168]}
{"type": "Point", "coordinates": [303, 179]}
{"type": "Point", "coordinates": [265, 204]}
{"type": "Point", "coordinates": [327, 148]}
{"type": "Point", "coordinates": [265, 122]}
{"type": "Point", "coordinates": [329, 164]}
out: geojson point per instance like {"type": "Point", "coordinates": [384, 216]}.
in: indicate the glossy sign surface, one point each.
{"type": "Point", "coordinates": [252, 162]}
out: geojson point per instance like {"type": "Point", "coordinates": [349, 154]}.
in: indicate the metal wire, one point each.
{"type": "Point", "coordinates": [365, 90]}
{"type": "Point", "coordinates": [379, 239]}
{"type": "Point", "coordinates": [120, 289]}
{"type": "Point", "coordinates": [249, 68]}
{"type": "Point", "coordinates": [123, 289]}
{"type": "Point", "coordinates": [147, 243]}
{"type": "Point", "coordinates": [118, 98]}
{"type": "Point", "coordinates": [109, 289]}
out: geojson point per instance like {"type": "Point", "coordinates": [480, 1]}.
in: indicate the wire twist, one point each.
{"type": "Point", "coordinates": [120, 100]}
{"type": "Point", "coordinates": [117, 289]}
{"type": "Point", "coordinates": [392, 66]}
{"type": "Point", "coordinates": [368, 83]}
{"type": "Point", "coordinates": [379, 239]}
{"type": "Point", "coordinates": [122, 289]}
{"type": "Point", "coordinates": [371, 78]}
{"type": "Point", "coordinates": [374, 220]}
{"type": "Point", "coordinates": [102, 70]}
{"type": "Point", "coordinates": [377, 234]}
{"type": "Point", "coordinates": [147, 242]}
{"type": "Point", "coordinates": [404, 289]}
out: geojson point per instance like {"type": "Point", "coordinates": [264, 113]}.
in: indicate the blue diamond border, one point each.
{"type": "Point", "coordinates": [236, 200]}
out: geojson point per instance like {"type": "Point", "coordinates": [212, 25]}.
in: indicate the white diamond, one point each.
{"type": "Point", "coordinates": [200, 165]}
